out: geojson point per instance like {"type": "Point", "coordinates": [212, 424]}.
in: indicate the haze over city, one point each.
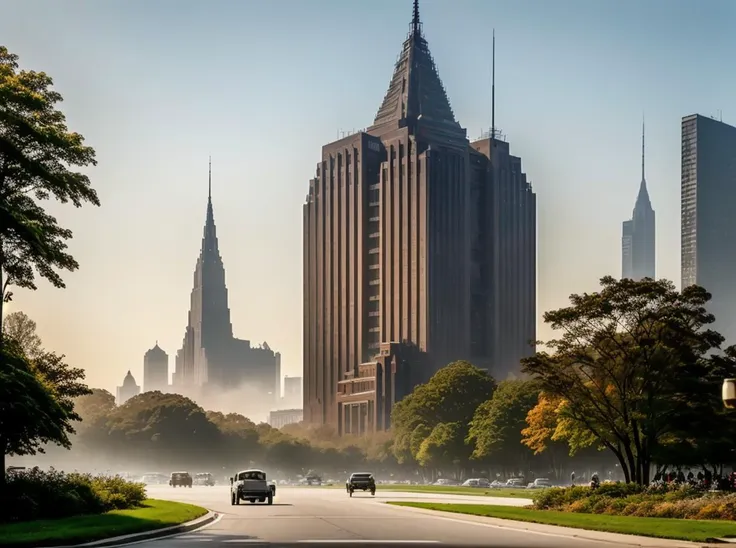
{"type": "Point", "coordinates": [157, 88]}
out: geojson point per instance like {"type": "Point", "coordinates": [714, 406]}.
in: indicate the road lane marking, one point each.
{"type": "Point", "coordinates": [369, 541]}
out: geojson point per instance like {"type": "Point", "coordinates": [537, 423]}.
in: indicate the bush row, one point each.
{"type": "Point", "coordinates": [36, 494]}
{"type": "Point", "coordinates": [634, 500]}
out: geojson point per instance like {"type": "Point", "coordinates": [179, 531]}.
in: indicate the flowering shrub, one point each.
{"type": "Point", "coordinates": [35, 494]}
{"type": "Point", "coordinates": [669, 501]}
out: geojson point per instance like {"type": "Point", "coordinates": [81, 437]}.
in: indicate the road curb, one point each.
{"type": "Point", "coordinates": [208, 518]}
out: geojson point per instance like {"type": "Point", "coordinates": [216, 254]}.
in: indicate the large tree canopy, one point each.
{"type": "Point", "coordinates": [449, 398]}
{"type": "Point", "coordinates": [31, 415]}
{"type": "Point", "coordinates": [495, 430]}
{"type": "Point", "coordinates": [630, 368]}
{"type": "Point", "coordinates": [37, 157]}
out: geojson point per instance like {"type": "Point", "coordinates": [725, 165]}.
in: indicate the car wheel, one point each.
{"type": "Point", "coordinates": [270, 499]}
{"type": "Point", "coordinates": [232, 499]}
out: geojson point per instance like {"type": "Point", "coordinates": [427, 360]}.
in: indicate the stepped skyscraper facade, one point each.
{"type": "Point", "coordinates": [211, 359]}
{"type": "Point", "coordinates": [419, 249]}
{"type": "Point", "coordinates": [638, 235]}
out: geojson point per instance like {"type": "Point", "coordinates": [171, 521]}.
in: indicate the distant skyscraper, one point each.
{"type": "Point", "coordinates": [211, 359]}
{"type": "Point", "coordinates": [638, 254]}
{"type": "Point", "coordinates": [155, 370]}
{"type": "Point", "coordinates": [419, 249]}
{"type": "Point", "coordinates": [708, 223]}
{"type": "Point", "coordinates": [128, 389]}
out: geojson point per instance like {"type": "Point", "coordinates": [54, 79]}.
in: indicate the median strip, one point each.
{"type": "Point", "coordinates": [678, 529]}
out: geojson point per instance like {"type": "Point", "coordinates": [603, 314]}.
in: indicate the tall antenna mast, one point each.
{"type": "Point", "coordinates": [642, 147]}
{"type": "Point", "coordinates": [493, 86]}
{"type": "Point", "coordinates": [209, 186]}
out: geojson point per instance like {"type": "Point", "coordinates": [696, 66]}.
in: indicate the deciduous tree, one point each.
{"type": "Point", "coordinates": [629, 361]}
{"type": "Point", "coordinates": [31, 414]}
{"type": "Point", "coordinates": [38, 155]}
{"type": "Point", "coordinates": [22, 329]}
{"type": "Point", "coordinates": [495, 431]}
{"type": "Point", "coordinates": [451, 396]}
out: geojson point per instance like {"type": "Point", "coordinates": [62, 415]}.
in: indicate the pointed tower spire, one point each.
{"type": "Point", "coordinates": [493, 86]}
{"type": "Point", "coordinates": [209, 187]}
{"type": "Point", "coordinates": [416, 24]}
{"type": "Point", "coordinates": [642, 149]}
{"type": "Point", "coordinates": [416, 90]}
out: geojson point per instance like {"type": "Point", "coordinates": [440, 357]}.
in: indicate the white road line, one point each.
{"type": "Point", "coordinates": [369, 541]}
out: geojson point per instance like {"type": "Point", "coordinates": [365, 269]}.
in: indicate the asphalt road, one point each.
{"type": "Point", "coordinates": [330, 517]}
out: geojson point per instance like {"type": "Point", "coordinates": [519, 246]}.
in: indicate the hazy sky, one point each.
{"type": "Point", "coordinates": [157, 86]}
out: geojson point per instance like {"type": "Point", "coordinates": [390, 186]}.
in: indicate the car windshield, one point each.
{"type": "Point", "coordinates": [251, 476]}
{"type": "Point", "coordinates": [179, 475]}
{"type": "Point", "coordinates": [361, 476]}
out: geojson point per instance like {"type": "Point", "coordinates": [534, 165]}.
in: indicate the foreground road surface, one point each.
{"type": "Point", "coordinates": [303, 514]}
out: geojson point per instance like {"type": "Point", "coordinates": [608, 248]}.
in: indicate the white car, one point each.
{"type": "Point", "coordinates": [251, 485]}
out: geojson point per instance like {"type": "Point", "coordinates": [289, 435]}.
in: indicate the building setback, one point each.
{"type": "Point", "coordinates": [708, 225]}
{"type": "Point", "coordinates": [638, 234]}
{"type": "Point", "coordinates": [155, 370]}
{"type": "Point", "coordinates": [419, 249]}
{"type": "Point", "coordinates": [211, 358]}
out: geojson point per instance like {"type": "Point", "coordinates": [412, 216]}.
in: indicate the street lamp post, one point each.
{"type": "Point", "coordinates": [728, 393]}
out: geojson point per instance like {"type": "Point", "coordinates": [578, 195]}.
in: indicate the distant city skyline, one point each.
{"type": "Point", "coordinates": [571, 112]}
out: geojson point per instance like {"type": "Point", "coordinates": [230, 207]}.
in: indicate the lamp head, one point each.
{"type": "Point", "coordinates": [729, 393]}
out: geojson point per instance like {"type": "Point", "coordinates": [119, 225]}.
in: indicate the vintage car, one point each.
{"type": "Point", "coordinates": [180, 479]}
{"type": "Point", "coordinates": [204, 478]}
{"type": "Point", "coordinates": [360, 481]}
{"type": "Point", "coordinates": [251, 485]}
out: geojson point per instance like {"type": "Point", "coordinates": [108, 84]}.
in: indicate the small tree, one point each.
{"type": "Point", "coordinates": [22, 329]}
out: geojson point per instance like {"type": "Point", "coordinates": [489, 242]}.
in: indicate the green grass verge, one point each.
{"type": "Point", "coordinates": [154, 514]}
{"type": "Point", "coordinates": [452, 490]}
{"type": "Point", "coordinates": [680, 529]}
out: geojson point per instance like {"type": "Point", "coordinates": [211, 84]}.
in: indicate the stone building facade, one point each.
{"type": "Point", "coordinates": [419, 249]}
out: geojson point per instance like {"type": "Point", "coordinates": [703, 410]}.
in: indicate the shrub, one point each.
{"type": "Point", "coordinates": [632, 500]}
{"type": "Point", "coordinates": [36, 494]}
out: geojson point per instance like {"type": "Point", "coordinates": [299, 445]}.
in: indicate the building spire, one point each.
{"type": "Point", "coordinates": [493, 86]}
{"type": "Point", "coordinates": [416, 24]}
{"type": "Point", "coordinates": [209, 187]}
{"type": "Point", "coordinates": [642, 149]}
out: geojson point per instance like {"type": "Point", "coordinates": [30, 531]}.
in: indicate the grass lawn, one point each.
{"type": "Point", "coordinates": [155, 514]}
{"type": "Point", "coordinates": [681, 529]}
{"type": "Point", "coordinates": [453, 490]}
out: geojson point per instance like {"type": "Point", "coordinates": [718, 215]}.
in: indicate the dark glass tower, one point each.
{"type": "Point", "coordinates": [708, 224]}
{"type": "Point", "coordinates": [638, 255]}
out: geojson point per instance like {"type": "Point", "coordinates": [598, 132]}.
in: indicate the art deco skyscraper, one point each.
{"type": "Point", "coordinates": [638, 254]}
{"type": "Point", "coordinates": [211, 359]}
{"type": "Point", "coordinates": [419, 249]}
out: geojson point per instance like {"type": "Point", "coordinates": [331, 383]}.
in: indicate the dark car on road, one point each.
{"type": "Point", "coordinates": [362, 481]}
{"type": "Point", "coordinates": [180, 479]}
